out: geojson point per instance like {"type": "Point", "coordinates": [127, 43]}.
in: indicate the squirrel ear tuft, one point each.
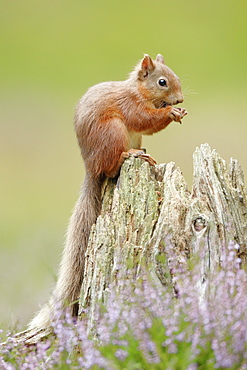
{"type": "Point", "coordinates": [160, 59]}
{"type": "Point", "coordinates": [147, 66]}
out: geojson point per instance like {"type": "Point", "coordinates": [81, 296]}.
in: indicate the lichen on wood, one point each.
{"type": "Point", "coordinates": [147, 208]}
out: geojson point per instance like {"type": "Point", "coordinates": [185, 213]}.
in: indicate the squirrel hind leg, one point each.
{"type": "Point", "coordinates": [115, 171]}
{"type": "Point", "coordinates": [110, 149]}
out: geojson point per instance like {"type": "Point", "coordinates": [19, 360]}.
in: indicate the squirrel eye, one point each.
{"type": "Point", "coordinates": [162, 82]}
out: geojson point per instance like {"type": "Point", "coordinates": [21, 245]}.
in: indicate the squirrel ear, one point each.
{"type": "Point", "coordinates": [147, 66]}
{"type": "Point", "coordinates": [160, 59]}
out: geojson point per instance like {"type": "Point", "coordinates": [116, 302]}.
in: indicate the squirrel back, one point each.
{"type": "Point", "coordinates": [110, 120]}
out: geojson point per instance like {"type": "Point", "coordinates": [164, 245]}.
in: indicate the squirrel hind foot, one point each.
{"type": "Point", "coordinates": [143, 155]}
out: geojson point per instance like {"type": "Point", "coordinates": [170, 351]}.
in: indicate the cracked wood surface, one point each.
{"type": "Point", "coordinates": [147, 208]}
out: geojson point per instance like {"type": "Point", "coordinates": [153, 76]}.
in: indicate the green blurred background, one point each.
{"type": "Point", "coordinates": [51, 52]}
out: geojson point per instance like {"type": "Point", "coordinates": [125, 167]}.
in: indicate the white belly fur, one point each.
{"type": "Point", "coordinates": [135, 140]}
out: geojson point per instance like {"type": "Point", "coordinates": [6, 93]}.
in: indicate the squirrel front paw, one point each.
{"type": "Point", "coordinates": [176, 114]}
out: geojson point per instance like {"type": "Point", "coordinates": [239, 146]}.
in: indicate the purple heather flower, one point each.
{"type": "Point", "coordinates": [147, 315]}
{"type": "Point", "coordinates": [121, 354]}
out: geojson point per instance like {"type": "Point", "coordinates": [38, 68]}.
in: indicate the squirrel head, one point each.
{"type": "Point", "coordinates": [157, 82]}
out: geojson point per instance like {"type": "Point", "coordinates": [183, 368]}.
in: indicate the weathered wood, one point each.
{"type": "Point", "coordinates": [148, 208]}
{"type": "Point", "coordinates": [150, 218]}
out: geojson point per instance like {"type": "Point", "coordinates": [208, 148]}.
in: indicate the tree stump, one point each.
{"type": "Point", "coordinates": [147, 208]}
{"type": "Point", "coordinates": [148, 215]}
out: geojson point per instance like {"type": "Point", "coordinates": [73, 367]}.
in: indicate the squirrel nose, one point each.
{"type": "Point", "coordinates": [180, 100]}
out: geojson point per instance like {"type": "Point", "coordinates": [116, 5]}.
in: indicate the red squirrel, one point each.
{"type": "Point", "coordinates": [110, 120]}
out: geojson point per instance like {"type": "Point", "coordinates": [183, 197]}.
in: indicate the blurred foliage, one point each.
{"type": "Point", "coordinates": [51, 52]}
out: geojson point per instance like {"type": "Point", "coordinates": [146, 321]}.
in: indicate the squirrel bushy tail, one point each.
{"type": "Point", "coordinates": [67, 289]}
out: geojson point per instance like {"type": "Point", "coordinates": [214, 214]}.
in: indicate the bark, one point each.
{"type": "Point", "coordinates": [149, 213]}
{"type": "Point", "coordinates": [149, 208]}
